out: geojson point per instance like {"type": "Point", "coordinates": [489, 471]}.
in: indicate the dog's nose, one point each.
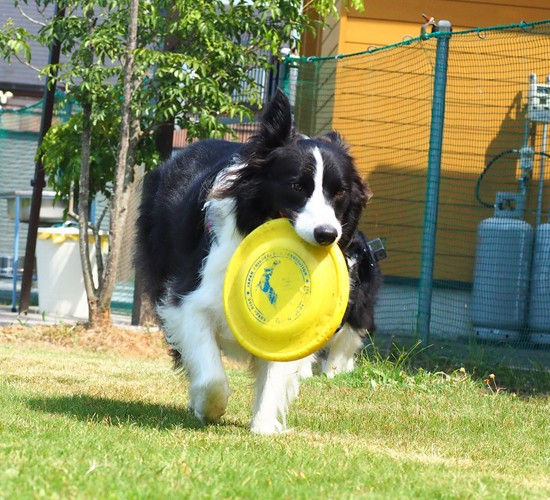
{"type": "Point", "coordinates": [325, 234]}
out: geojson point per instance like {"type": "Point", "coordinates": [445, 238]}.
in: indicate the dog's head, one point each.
{"type": "Point", "coordinates": [312, 182]}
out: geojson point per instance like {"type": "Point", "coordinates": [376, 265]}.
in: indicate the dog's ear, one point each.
{"type": "Point", "coordinates": [363, 189]}
{"type": "Point", "coordinates": [362, 192]}
{"type": "Point", "coordinates": [334, 138]}
{"type": "Point", "coordinates": [276, 124]}
{"type": "Point", "coordinates": [360, 195]}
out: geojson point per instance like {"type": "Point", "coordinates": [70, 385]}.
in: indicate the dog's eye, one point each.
{"type": "Point", "coordinates": [340, 192]}
{"type": "Point", "coordinates": [297, 186]}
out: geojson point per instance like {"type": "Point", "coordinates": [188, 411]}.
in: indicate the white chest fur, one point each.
{"type": "Point", "coordinates": [221, 224]}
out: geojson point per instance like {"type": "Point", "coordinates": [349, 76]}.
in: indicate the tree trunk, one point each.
{"type": "Point", "coordinates": [95, 317]}
{"type": "Point", "coordinates": [83, 210]}
{"type": "Point", "coordinates": [129, 135]}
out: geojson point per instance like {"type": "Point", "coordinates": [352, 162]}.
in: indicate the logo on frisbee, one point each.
{"type": "Point", "coordinates": [277, 287]}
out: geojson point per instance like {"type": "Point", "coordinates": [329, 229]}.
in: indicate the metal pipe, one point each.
{"type": "Point", "coordinates": [538, 215]}
{"type": "Point", "coordinates": [541, 176]}
{"type": "Point", "coordinates": [433, 180]}
{"type": "Point", "coordinates": [15, 265]}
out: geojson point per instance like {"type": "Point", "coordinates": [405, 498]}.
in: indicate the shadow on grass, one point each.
{"type": "Point", "coordinates": [113, 412]}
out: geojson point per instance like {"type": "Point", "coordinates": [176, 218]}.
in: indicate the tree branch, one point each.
{"type": "Point", "coordinates": [29, 18]}
{"type": "Point", "coordinates": [28, 64]}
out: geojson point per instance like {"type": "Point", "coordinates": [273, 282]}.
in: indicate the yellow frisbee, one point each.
{"type": "Point", "coordinates": [284, 298]}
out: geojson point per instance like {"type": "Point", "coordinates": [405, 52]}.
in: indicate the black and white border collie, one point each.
{"type": "Point", "coordinates": [197, 208]}
{"type": "Point", "coordinates": [365, 278]}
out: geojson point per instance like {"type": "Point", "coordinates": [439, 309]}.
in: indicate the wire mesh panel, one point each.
{"type": "Point", "coordinates": [381, 103]}
{"type": "Point", "coordinates": [18, 143]}
{"type": "Point", "coordinates": [19, 137]}
{"type": "Point", "coordinates": [492, 254]}
{"type": "Point", "coordinates": [491, 161]}
{"type": "Point", "coordinates": [490, 181]}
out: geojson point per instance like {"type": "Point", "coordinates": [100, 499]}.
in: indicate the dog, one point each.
{"type": "Point", "coordinates": [358, 325]}
{"type": "Point", "coordinates": [195, 211]}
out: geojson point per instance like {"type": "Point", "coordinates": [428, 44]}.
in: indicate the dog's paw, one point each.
{"type": "Point", "coordinates": [338, 366]}
{"type": "Point", "coordinates": [209, 402]}
{"type": "Point", "coordinates": [331, 371]}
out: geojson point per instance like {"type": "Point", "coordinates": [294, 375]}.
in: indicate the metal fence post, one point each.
{"type": "Point", "coordinates": [432, 187]}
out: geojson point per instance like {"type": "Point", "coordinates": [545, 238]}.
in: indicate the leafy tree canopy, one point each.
{"type": "Point", "coordinates": [192, 66]}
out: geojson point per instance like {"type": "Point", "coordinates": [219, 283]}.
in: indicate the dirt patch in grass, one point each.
{"type": "Point", "coordinates": [130, 341]}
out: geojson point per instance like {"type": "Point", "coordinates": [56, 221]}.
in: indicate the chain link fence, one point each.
{"type": "Point", "coordinates": [19, 137]}
{"type": "Point", "coordinates": [489, 278]}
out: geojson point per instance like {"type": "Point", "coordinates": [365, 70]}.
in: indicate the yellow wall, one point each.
{"type": "Point", "coordinates": [383, 23]}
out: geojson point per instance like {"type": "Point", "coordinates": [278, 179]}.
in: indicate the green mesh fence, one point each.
{"type": "Point", "coordinates": [18, 142]}
{"type": "Point", "coordinates": [491, 265]}
{"type": "Point", "coordinates": [19, 136]}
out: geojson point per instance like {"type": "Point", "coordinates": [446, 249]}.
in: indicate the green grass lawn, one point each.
{"type": "Point", "coordinates": [75, 423]}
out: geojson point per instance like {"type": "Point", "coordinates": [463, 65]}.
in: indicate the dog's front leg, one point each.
{"type": "Point", "coordinates": [277, 385]}
{"type": "Point", "coordinates": [191, 331]}
{"type": "Point", "coordinates": [341, 351]}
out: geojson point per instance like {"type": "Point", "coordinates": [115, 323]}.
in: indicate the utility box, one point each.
{"type": "Point", "coordinates": [60, 280]}
{"type": "Point", "coordinates": [51, 211]}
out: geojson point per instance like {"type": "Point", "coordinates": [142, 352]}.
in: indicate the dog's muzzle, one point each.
{"type": "Point", "coordinates": [325, 234]}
